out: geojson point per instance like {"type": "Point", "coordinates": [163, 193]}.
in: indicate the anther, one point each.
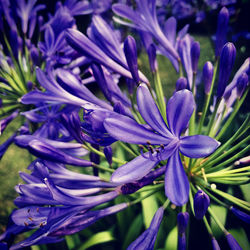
{"type": "Point", "coordinates": [148, 142]}
{"type": "Point", "coordinates": [151, 149]}
{"type": "Point", "coordinates": [30, 218]}
{"type": "Point", "coordinates": [26, 224]}
{"type": "Point", "coordinates": [162, 146]}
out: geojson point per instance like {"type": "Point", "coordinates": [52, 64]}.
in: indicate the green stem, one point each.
{"type": "Point", "coordinates": [211, 123]}
{"type": "Point", "coordinates": [207, 226]}
{"type": "Point", "coordinates": [166, 203]}
{"type": "Point", "coordinates": [103, 168]}
{"type": "Point", "coordinates": [230, 160]}
{"type": "Point", "coordinates": [208, 98]}
{"type": "Point", "coordinates": [232, 199]}
{"type": "Point", "coordinates": [232, 116]}
{"type": "Point", "coordinates": [90, 148]}
{"type": "Point", "coordinates": [217, 220]}
{"type": "Point", "coordinates": [208, 164]}
{"type": "Point", "coordinates": [160, 94]}
{"type": "Point", "coordinates": [124, 146]}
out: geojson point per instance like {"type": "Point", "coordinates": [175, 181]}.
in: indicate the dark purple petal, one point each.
{"type": "Point", "coordinates": [207, 76]}
{"type": "Point", "coordinates": [147, 239]}
{"type": "Point", "coordinates": [5, 121]}
{"type": "Point", "coordinates": [243, 216]}
{"type": "Point", "coordinates": [125, 129]}
{"type": "Point", "coordinates": [151, 50]}
{"type": "Point", "coordinates": [179, 110]}
{"type": "Point", "coordinates": [181, 83]}
{"type": "Point", "coordinates": [242, 84]}
{"type": "Point", "coordinates": [227, 58]}
{"type": "Point", "coordinates": [134, 170]}
{"type": "Point", "coordinates": [108, 154]}
{"type": "Point", "coordinates": [195, 55]}
{"type": "Point", "coordinates": [182, 241]}
{"type": "Point", "coordinates": [201, 203]}
{"type": "Point", "coordinates": [198, 146]}
{"type": "Point", "coordinates": [176, 181]}
{"type": "Point", "coordinates": [4, 146]}
{"type": "Point", "coordinates": [221, 32]}
{"type": "Point", "coordinates": [150, 112]}
{"type": "Point", "coordinates": [131, 57]}
{"type": "Point", "coordinates": [182, 222]}
{"type": "Point", "coordinates": [233, 244]}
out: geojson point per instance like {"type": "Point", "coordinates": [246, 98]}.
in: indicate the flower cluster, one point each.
{"type": "Point", "coordinates": [132, 144]}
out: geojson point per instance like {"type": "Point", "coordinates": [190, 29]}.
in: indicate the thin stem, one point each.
{"type": "Point", "coordinates": [103, 168]}
{"type": "Point", "coordinates": [160, 94]}
{"type": "Point", "coordinates": [90, 148]}
{"type": "Point", "coordinates": [217, 220]}
{"type": "Point", "coordinates": [208, 98]}
{"type": "Point", "coordinates": [207, 226]}
{"type": "Point", "coordinates": [211, 121]}
{"type": "Point", "coordinates": [124, 146]}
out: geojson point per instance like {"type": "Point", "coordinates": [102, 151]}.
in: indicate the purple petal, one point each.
{"type": "Point", "coordinates": [125, 129]}
{"type": "Point", "coordinates": [134, 170]}
{"type": "Point", "coordinates": [46, 151]}
{"type": "Point", "coordinates": [198, 146]}
{"type": "Point", "coordinates": [176, 181]}
{"type": "Point", "coordinates": [150, 112]}
{"type": "Point", "coordinates": [170, 30]}
{"type": "Point", "coordinates": [179, 110]}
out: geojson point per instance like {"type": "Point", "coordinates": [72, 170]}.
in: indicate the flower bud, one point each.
{"type": "Point", "coordinates": [181, 83]}
{"type": "Point", "coordinates": [221, 32]}
{"type": "Point", "coordinates": [152, 58]}
{"type": "Point", "coordinates": [108, 154]}
{"type": "Point", "coordinates": [233, 244]}
{"type": "Point", "coordinates": [195, 55]}
{"type": "Point", "coordinates": [182, 222]}
{"type": "Point", "coordinates": [241, 84]}
{"type": "Point", "coordinates": [207, 76]}
{"type": "Point", "coordinates": [241, 215]}
{"type": "Point", "coordinates": [215, 244]}
{"type": "Point", "coordinates": [226, 64]}
{"type": "Point", "coordinates": [201, 203]}
{"type": "Point", "coordinates": [131, 57]}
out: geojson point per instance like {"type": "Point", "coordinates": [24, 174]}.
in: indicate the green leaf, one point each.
{"type": "Point", "coordinates": [241, 237]}
{"type": "Point", "coordinates": [172, 239]}
{"type": "Point", "coordinates": [149, 207]}
{"type": "Point", "coordinates": [221, 214]}
{"type": "Point", "coordinates": [98, 238]}
{"type": "Point", "coordinates": [245, 190]}
{"type": "Point", "coordinates": [133, 231]}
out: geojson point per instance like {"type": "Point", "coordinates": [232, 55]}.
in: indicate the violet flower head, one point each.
{"type": "Point", "coordinates": [232, 242]}
{"type": "Point", "coordinates": [241, 215]}
{"type": "Point", "coordinates": [242, 84]}
{"type": "Point", "coordinates": [221, 32]}
{"type": "Point", "coordinates": [147, 239]}
{"type": "Point", "coordinates": [179, 110]}
{"type": "Point", "coordinates": [207, 76]}
{"type": "Point", "coordinates": [195, 55]}
{"type": "Point", "coordinates": [181, 83]}
{"type": "Point", "coordinates": [151, 50]}
{"type": "Point", "coordinates": [226, 65]}
{"type": "Point", "coordinates": [201, 203]}
{"type": "Point", "coordinates": [215, 244]}
{"type": "Point", "coordinates": [131, 57]}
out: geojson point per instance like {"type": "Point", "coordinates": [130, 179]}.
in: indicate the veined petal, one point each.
{"type": "Point", "coordinates": [134, 170]}
{"type": "Point", "coordinates": [198, 146]}
{"type": "Point", "coordinates": [179, 110]}
{"type": "Point", "coordinates": [125, 129]}
{"type": "Point", "coordinates": [150, 112]}
{"type": "Point", "coordinates": [176, 181]}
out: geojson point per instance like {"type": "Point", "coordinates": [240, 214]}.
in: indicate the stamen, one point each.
{"type": "Point", "coordinates": [26, 224]}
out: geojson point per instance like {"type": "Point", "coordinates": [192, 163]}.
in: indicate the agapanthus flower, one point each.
{"type": "Point", "coordinates": [179, 110]}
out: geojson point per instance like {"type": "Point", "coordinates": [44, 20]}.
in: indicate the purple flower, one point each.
{"type": "Point", "coordinates": [201, 203]}
{"type": "Point", "coordinates": [215, 244]}
{"type": "Point", "coordinates": [207, 76]}
{"type": "Point", "coordinates": [243, 216]}
{"type": "Point", "coordinates": [145, 18]}
{"type": "Point", "coordinates": [181, 83]}
{"type": "Point", "coordinates": [6, 144]}
{"type": "Point", "coordinates": [179, 110]}
{"type": "Point", "coordinates": [147, 239]}
{"type": "Point", "coordinates": [5, 121]}
{"type": "Point", "coordinates": [233, 244]}
{"type": "Point", "coordinates": [227, 58]}
{"type": "Point", "coordinates": [221, 32]}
